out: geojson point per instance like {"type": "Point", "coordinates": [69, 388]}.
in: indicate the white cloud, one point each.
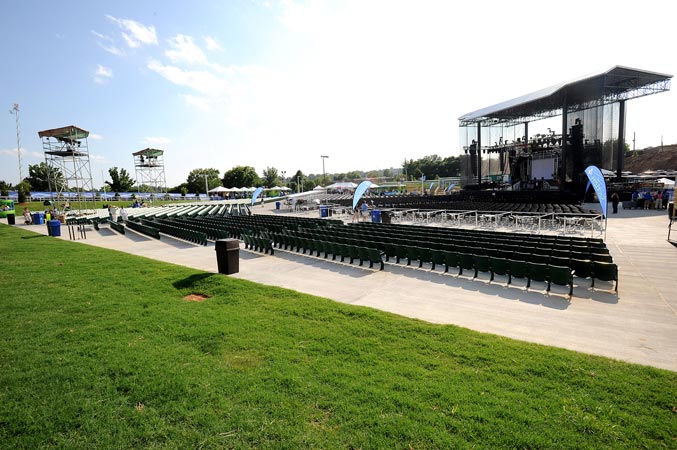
{"type": "Point", "coordinates": [102, 74]}
{"type": "Point", "coordinates": [103, 71]}
{"type": "Point", "coordinates": [157, 140]}
{"type": "Point", "coordinates": [183, 49]}
{"type": "Point", "coordinates": [24, 153]}
{"type": "Point", "coordinates": [201, 103]}
{"type": "Point", "coordinates": [96, 137]}
{"type": "Point", "coordinates": [107, 43]}
{"type": "Point", "coordinates": [98, 158]}
{"type": "Point", "coordinates": [202, 81]}
{"type": "Point", "coordinates": [211, 43]}
{"type": "Point", "coordinates": [135, 33]}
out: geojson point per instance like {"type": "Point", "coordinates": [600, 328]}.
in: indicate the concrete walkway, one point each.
{"type": "Point", "coordinates": [638, 325]}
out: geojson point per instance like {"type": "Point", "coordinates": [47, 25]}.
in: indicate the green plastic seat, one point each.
{"type": "Point", "coordinates": [451, 259]}
{"type": "Point", "coordinates": [561, 275]}
{"type": "Point", "coordinates": [516, 269]}
{"type": "Point", "coordinates": [582, 267]}
{"type": "Point", "coordinates": [604, 271]}
{"type": "Point", "coordinates": [465, 261]}
{"type": "Point", "coordinates": [537, 272]}
{"type": "Point", "coordinates": [498, 266]}
{"type": "Point", "coordinates": [481, 263]}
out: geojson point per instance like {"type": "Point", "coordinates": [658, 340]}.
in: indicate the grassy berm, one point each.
{"type": "Point", "coordinates": [99, 349]}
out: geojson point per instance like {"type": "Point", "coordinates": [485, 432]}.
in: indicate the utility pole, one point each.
{"type": "Point", "coordinates": [324, 175]}
{"type": "Point", "coordinates": [298, 184]}
{"type": "Point", "coordinates": [15, 111]}
{"type": "Point", "coordinates": [206, 187]}
{"type": "Point", "coordinates": [633, 141]}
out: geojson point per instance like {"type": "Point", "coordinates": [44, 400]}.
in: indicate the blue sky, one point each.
{"type": "Point", "coordinates": [279, 83]}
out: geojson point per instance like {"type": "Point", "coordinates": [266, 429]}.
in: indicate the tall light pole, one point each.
{"type": "Point", "coordinates": [15, 111]}
{"type": "Point", "coordinates": [324, 176]}
{"type": "Point", "coordinates": [206, 187]}
{"type": "Point", "coordinates": [283, 172]}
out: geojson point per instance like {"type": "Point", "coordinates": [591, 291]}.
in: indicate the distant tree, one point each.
{"type": "Point", "coordinates": [177, 189]}
{"type": "Point", "coordinates": [354, 175]}
{"type": "Point", "coordinates": [4, 188]}
{"type": "Point", "coordinates": [308, 185]}
{"type": "Point", "coordinates": [23, 191]}
{"type": "Point", "coordinates": [241, 176]}
{"type": "Point", "coordinates": [196, 179]}
{"type": "Point", "coordinates": [387, 173]}
{"type": "Point", "coordinates": [270, 177]}
{"type": "Point", "coordinates": [38, 174]}
{"type": "Point", "coordinates": [184, 191]}
{"type": "Point", "coordinates": [297, 178]}
{"type": "Point", "coordinates": [432, 166]}
{"type": "Point", "coordinates": [339, 176]}
{"type": "Point", "coordinates": [120, 180]}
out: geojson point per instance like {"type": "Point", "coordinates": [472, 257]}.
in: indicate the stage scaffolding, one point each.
{"type": "Point", "coordinates": [509, 140]}
{"type": "Point", "coordinates": [149, 166]}
{"type": "Point", "coordinates": [66, 152]}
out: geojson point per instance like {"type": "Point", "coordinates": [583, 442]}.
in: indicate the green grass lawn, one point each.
{"type": "Point", "coordinates": [99, 350]}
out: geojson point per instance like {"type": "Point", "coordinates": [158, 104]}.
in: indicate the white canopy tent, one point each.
{"type": "Point", "coordinates": [342, 185]}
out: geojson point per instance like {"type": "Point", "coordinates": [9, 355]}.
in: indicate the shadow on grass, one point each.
{"type": "Point", "coordinates": [34, 237]}
{"type": "Point", "coordinates": [191, 281]}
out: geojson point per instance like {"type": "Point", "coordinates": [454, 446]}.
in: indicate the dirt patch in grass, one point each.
{"type": "Point", "coordinates": [196, 297]}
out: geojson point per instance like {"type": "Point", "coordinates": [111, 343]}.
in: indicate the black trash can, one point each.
{"type": "Point", "coordinates": [228, 255]}
{"type": "Point", "coordinates": [385, 217]}
{"type": "Point", "coordinates": [10, 219]}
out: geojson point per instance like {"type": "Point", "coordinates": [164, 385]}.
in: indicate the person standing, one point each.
{"type": "Point", "coordinates": [614, 201]}
{"type": "Point", "coordinates": [123, 213]}
{"type": "Point", "coordinates": [365, 207]}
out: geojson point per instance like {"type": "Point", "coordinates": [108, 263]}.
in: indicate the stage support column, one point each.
{"type": "Point", "coordinates": [565, 129]}
{"type": "Point", "coordinates": [620, 152]}
{"type": "Point", "coordinates": [479, 154]}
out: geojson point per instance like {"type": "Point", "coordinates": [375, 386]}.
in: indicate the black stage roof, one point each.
{"type": "Point", "coordinates": [617, 83]}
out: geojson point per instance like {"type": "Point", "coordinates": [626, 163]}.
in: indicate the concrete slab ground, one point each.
{"type": "Point", "coordinates": [638, 325]}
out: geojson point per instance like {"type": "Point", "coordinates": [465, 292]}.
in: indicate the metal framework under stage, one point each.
{"type": "Point", "coordinates": [149, 167]}
{"type": "Point", "coordinates": [66, 151]}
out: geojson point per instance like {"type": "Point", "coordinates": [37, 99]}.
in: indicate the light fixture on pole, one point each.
{"type": "Point", "coordinates": [283, 172]}
{"type": "Point", "coordinates": [324, 175]}
{"type": "Point", "coordinates": [15, 111]}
